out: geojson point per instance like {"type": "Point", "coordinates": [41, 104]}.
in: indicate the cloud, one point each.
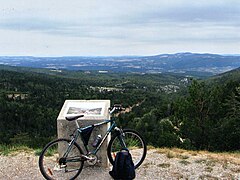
{"type": "Point", "coordinates": [116, 25]}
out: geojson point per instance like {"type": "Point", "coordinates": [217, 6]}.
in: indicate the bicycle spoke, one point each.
{"type": "Point", "coordinates": [54, 166]}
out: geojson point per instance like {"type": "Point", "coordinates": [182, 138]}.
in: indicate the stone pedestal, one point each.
{"type": "Point", "coordinates": [94, 111]}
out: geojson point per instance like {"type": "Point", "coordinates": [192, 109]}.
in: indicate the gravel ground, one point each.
{"type": "Point", "coordinates": [159, 164]}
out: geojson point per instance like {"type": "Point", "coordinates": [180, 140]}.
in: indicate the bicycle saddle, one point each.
{"type": "Point", "coordinates": [72, 118]}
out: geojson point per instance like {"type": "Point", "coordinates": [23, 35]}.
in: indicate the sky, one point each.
{"type": "Point", "coordinates": [118, 27]}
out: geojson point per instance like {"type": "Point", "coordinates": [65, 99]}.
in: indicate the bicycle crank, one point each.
{"type": "Point", "coordinates": [92, 159]}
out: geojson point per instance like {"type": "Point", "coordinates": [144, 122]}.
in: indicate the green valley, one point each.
{"type": "Point", "coordinates": [170, 110]}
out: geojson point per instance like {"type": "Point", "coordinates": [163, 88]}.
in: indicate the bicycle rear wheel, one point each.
{"type": "Point", "coordinates": [135, 144]}
{"type": "Point", "coordinates": [53, 165]}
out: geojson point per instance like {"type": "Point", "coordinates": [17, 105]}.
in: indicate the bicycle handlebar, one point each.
{"type": "Point", "coordinates": [116, 107]}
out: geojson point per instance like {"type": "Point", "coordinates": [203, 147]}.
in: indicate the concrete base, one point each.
{"type": "Point", "coordinates": [66, 128]}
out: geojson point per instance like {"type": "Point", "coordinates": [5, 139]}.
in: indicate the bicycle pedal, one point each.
{"type": "Point", "coordinates": [84, 158]}
{"type": "Point", "coordinates": [59, 167]}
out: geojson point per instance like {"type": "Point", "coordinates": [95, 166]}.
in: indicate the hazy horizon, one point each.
{"type": "Point", "coordinates": [118, 55]}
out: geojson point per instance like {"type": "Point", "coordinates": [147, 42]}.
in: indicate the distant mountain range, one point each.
{"type": "Point", "coordinates": [185, 63]}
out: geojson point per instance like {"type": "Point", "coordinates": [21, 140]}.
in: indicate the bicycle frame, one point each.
{"type": "Point", "coordinates": [79, 130]}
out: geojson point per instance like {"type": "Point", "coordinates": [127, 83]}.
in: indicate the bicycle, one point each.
{"type": "Point", "coordinates": [64, 158]}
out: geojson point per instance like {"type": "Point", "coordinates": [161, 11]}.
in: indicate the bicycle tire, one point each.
{"type": "Point", "coordinates": [45, 158]}
{"type": "Point", "coordinates": [114, 146]}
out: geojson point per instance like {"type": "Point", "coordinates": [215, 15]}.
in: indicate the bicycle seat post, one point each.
{"type": "Point", "coordinates": [77, 124]}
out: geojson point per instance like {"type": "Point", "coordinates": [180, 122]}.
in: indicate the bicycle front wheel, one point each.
{"type": "Point", "coordinates": [57, 161]}
{"type": "Point", "coordinates": [135, 144]}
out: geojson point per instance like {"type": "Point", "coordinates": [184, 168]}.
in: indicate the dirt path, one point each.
{"type": "Point", "coordinates": [159, 164]}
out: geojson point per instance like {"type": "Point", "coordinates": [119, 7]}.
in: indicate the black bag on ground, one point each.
{"type": "Point", "coordinates": [123, 167]}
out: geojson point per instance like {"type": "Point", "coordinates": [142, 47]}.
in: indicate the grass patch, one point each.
{"type": "Point", "coordinates": [173, 153]}
{"type": "Point", "coordinates": [184, 162]}
{"type": "Point", "coordinates": [215, 157]}
{"type": "Point", "coordinates": [164, 165]}
{"type": "Point", "coordinates": [51, 151]}
{"type": "Point", "coordinates": [201, 161]}
{"type": "Point", "coordinates": [6, 150]}
{"type": "Point", "coordinates": [170, 154]}
{"type": "Point", "coordinates": [147, 165]}
{"type": "Point", "coordinates": [208, 176]}
{"type": "Point", "coordinates": [183, 156]}
{"type": "Point", "coordinates": [208, 169]}
{"type": "Point", "coordinates": [193, 153]}
{"type": "Point", "coordinates": [211, 162]}
{"type": "Point", "coordinates": [37, 152]}
{"type": "Point", "coordinates": [178, 175]}
{"type": "Point", "coordinates": [150, 147]}
{"type": "Point", "coordinates": [225, 157]}
{"type": "Point", "coordinates": [180, 153]}
{"type": "Point", "coordinates": [161, 150]}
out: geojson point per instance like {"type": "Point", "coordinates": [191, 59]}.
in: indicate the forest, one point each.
{"type": "Point", "coordinates": [169, 110]}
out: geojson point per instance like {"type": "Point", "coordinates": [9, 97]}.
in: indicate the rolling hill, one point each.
{"type": "Point", "coordinates": [184, 63]}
